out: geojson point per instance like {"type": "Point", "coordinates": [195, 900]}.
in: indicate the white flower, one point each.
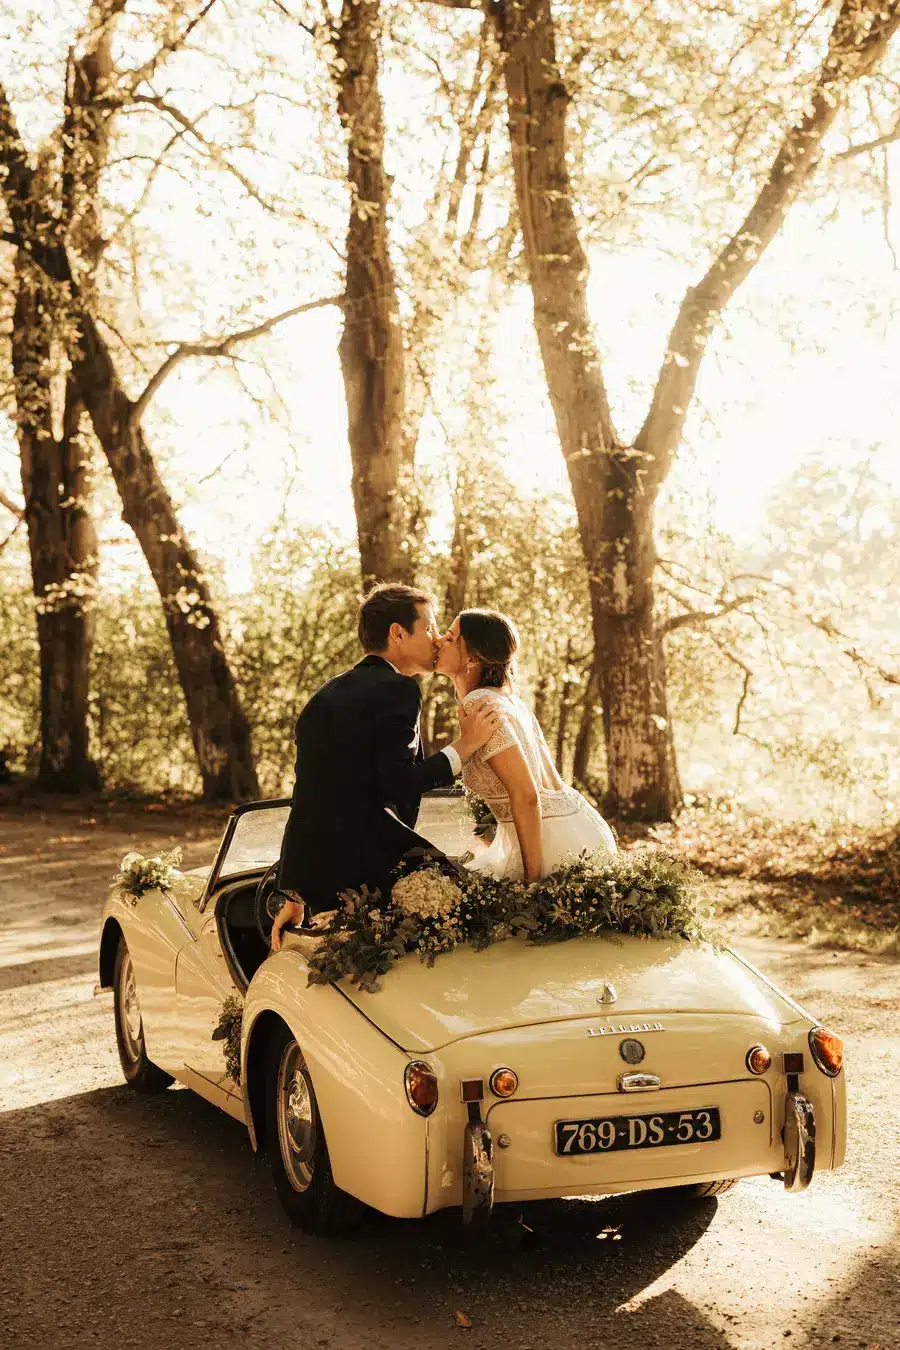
{"type": "Point", "coordinates": [427, 893]}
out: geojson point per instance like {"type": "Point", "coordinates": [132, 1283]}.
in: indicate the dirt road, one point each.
{"type": "Point", "coordinates": [147, 1222]}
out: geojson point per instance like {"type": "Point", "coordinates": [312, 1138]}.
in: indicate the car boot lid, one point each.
{"type": "Point", "coordinates": [617, 980]}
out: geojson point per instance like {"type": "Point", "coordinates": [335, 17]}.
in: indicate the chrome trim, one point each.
{"type": "Point", "coordinates": [752, 1051]}
{"type": "Point", "coordinates": [638, 1082]}
{"type": "Point", "coordinates": [625, 1028]}
{"type": "Point", "coordinates": [819, 1063]}
{"type": "Point", "coordinates": [427, 1071]}
{"type": "Point", "coordinates": [504, 1096]}
{"type": "Point", "coordinates": [478, 1173]}
{"type": "Point", "coordinates": [799, 1142]}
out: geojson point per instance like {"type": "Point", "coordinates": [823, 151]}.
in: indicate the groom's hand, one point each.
{"type": "Point", "coordinates": [475, 729]}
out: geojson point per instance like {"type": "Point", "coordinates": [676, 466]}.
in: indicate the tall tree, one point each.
{"type": "Point", "coordinates": [61, 538]}
{"type": "Point", "coordinates": [371, 347]}
{"type": "Point", "coordinates": [219, 727]}
{"type": "Point", "coordinates": [616, 483]}
{"type": "Point", "coordinates": [53, 453]}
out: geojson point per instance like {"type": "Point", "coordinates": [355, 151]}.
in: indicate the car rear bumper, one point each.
{"type": "Point", "coordinates": [750, 1141]}
{"type": "Point", "coordinates": [759, 1136]}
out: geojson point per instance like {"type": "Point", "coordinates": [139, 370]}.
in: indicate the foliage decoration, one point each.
{"type": "Point", "coordinates": [137, 875]}
{"type": "Point", "coordinates": [228, 1031]}
{"type": "Point", "coordinates": [646, 892]}
{"type": "Point", "coordinates": [485, 822]}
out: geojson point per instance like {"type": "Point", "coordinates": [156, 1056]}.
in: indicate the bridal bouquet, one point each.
{"type": "Point", "coordinates": [137, 874]}
{"type": "Point", "coordinates": [431, 910]}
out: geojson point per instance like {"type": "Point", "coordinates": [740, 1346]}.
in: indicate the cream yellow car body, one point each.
{"type": "Point", "coordinates": [541, 1011]}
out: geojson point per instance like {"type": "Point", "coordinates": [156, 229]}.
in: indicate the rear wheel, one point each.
{"type": "Point", "coordinates": [298, 1152]}
{"type": "Point", "coordinates": [702, 1190]}
{"type": "Point", "coordinates": [140, 1072]}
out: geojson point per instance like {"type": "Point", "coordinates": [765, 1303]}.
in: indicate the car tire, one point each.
{"type": "Point", "coordinates": [140, 1072]}
{"type": "Point", "coordinates": [702, 1190]}
{"type": "Point", "coordinates": [297, 1148]}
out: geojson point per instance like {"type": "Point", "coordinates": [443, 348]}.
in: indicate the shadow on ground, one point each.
{"type": "Point", "coordinates": [139, 1221]}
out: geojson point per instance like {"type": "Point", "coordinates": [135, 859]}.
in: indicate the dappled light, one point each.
{"type": "Point", "coordinates": [449, 518]}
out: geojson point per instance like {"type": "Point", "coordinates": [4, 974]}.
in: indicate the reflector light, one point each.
{"type": "Point", "coordinates": [827, 1050]}
{"type": "Point", "coordinates": [758, 1059]}
{"type": "Point", "coordinates": [421, 1087]}
{"type": "Point", "coordinates": [504, 1082]}
{"type": "Point", "coordinates": [472, 1089]}
{"type": "Point", "coordinates": [793, 1061]}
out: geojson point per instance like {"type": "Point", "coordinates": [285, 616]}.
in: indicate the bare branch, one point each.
{"type": "Point", "coordinates": [220, 347]}
{"type": "Point", "coordinates": [11, 534]}
{"type": "Point", "coordinates": [858, 40]}
{"type": "Point", "coordinates": [866, 147]}
{"type": "Point", "coordinates": [698, 617]}
{"type": "Point", "coordinates": [10, 505]}
{"type": "Point", "coordinates": [133, 79]}
{"type": "Point", "coordinates": [864, 664]}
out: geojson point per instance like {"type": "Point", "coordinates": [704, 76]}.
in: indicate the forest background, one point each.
{"type": "Point", "coordinates": [585, 311]}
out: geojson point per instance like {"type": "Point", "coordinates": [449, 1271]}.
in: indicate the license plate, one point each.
{"type": "Point", "coordinates": [612, 1133]}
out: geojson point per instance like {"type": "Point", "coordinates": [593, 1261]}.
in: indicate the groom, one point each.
{"type": "Point", "coordinates": [360, 771]}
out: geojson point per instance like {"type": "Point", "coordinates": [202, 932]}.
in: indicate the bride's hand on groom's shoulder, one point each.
{"type": "Point", "coordinates": [476, 728]}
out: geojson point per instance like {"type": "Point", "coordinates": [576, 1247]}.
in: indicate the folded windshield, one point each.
{"type": "Point", "coordinates": [253, 838]}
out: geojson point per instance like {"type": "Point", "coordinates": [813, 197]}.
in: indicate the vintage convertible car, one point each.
{"type": "Point", "coordinates": [517, 1073]}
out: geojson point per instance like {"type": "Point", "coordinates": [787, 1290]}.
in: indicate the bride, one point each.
{"type": "Point", "coordinates": [541, 820]}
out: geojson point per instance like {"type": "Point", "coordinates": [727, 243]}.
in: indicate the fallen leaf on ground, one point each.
{"type": "Point", "coordinates": [462, 1319]}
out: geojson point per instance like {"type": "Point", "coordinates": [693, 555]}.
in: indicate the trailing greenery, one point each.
{"type": "Point", "coordinates": [228, 1031]}
{"type": "Point", "coordinates": [646, 892]}
{"type": "Point", "coordinates": [484, 820]}
{"type": "Point", "coordinates": [137, 875]}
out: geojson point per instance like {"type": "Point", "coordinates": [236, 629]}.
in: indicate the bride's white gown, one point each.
{"type": "Point", "coordinates": [569, 822]}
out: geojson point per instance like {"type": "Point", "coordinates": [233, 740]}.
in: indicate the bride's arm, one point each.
{"type": "Point", "coordinates": [511, 767]}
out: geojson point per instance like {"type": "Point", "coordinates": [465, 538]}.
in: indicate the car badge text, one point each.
{"type": "Point", "coordinates": [623, 1028]}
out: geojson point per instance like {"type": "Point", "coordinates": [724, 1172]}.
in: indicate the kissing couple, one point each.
{"type": "Point", "coordinates": [361, 771]}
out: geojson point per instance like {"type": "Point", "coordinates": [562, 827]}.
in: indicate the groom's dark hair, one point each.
{"type": "Point", "coordinates": [386, 604]}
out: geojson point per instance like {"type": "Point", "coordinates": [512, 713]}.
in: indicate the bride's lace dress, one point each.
{"type": "Point", "coordinates": [569, 822]}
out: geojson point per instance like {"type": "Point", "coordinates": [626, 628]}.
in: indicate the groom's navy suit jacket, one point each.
{"type": "Point", "coordinates": [358, 751]}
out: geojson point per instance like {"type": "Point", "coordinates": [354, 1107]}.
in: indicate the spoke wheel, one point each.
{"type": "Point", "coordinates": [297, 1118]}
{"type": "Point", "coordinates": [130, 1012]}
{"type": "Point", "coordinates": [296, 1145]}
{"type": "Point", "coordinates": [139, 1070]}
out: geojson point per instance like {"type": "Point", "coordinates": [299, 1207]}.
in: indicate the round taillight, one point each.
{"type": "Point", "coordinates": [759, 1059]}
{"type": "Point", "coordinates": [504, 1082]}
{"type": "Point", "coordinates": [421, 1087]}
{"type": "Point", "coordinates": [827, 1050]}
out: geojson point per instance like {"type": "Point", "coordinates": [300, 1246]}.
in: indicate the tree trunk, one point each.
{"type": "Point", "coordinates": [219, 727]}
{"type": "Point", "coordinates": [61, 541]}
{"type": "Point", "coordinates": [581, 759]}
{"type": "Point", "coordinates": [371, 351]}
{"type": "Point", "coordinates": [615, 510]}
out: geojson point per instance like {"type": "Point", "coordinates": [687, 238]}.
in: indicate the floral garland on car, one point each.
{"type": "Point", "coordinates": [441, 906]}
{"type": "Point", "coordinates": [228, 1031]}
{"type": "Point", "coordinates": [137, 875]}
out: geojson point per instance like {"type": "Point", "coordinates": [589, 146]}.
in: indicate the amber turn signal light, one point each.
{"type": "Point", "coordinates": [827, 1050]}
{"type": "Point", "coordinates": [759, 1059]}
{"type": "Point", "coordinates": [504, 1082]}
{"type": "Point", "coordinates": [421, 1087]}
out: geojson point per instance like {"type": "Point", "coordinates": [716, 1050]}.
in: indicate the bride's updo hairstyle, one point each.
{"type": "Point", "coordinates": [490, 638]}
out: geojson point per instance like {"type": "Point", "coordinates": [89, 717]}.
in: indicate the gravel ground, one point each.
{"type": "Point", "coordinates": [147, 1222]}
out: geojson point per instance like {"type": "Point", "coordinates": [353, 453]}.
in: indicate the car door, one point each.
{"type": "Point", "coordinates": [203, 979]}
{"type": "Point", "coordinates": [203, 982]}
{"type": "Point", "coordinates": [156, 928]}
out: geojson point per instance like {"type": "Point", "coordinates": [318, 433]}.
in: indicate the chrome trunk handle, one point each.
{"type": "Point", "coordinates": [638, 1082]}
